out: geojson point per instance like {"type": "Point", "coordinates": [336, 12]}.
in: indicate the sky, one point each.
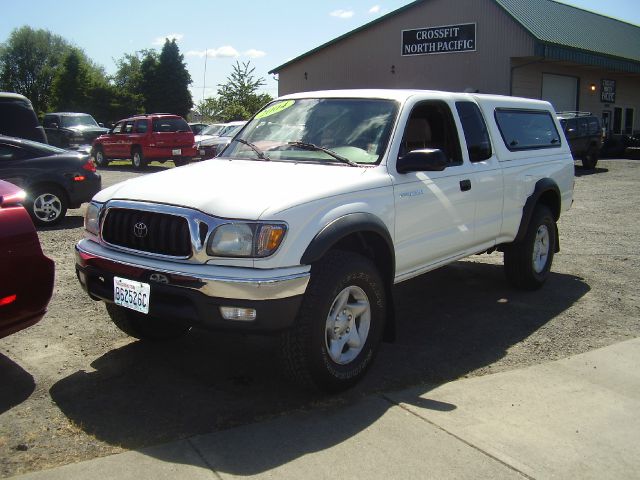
{"type": "Point", "coordinates": [265, 33]}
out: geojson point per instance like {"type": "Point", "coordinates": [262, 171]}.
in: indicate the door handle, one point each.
{"type": "Point", "coordinates": [465, 185]}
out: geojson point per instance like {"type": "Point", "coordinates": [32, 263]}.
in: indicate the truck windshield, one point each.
{"type": "Point", "coordinates": [318, 129]}
{"type": "Point", "coordinates": [78, 121]}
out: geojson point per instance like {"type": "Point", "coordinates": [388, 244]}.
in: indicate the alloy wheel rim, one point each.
{"type": "Point", "coordinates": [541, 249]}
{"type": "Point", "coordinates": [347, 325]}
{"type": "Point", "coordinates": [47, 207]}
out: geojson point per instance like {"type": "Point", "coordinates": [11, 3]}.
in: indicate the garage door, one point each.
{"type": "Point", "coordinates": [561, 91]}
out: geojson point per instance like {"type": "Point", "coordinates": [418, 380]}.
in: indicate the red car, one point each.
{"type": "Point", "coordinates": [145, 138]}
{"type": "Point", "coordinates": [26, 278]}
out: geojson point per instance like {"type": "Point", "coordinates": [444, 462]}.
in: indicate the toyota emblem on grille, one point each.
{"type": "Point", "coordinates": [140, 230]}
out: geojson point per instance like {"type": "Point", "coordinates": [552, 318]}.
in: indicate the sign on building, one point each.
{"type": "Point", "coordinates": [608, 91]}
{"type": "Point", "coordinates": [444, 39]}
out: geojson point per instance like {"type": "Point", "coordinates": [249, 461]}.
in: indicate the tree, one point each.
{"type": "Point", "coordinates": [129, 80]}
{"type": "Point", "coordinates": [28, 64]}
{"type": "Point", "coordinates": [238, 98]}
{"type": "Point", "coordinates": [172, 81]}
{"type": "Point", "coordinates": [72, 85]}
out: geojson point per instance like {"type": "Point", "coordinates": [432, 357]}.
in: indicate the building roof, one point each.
{"type": "Point", "coordinates": [564, 25]}
{"type": "Point", "coordinates": [564, 33]}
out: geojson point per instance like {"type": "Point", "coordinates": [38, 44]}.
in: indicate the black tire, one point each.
{"type": "Point", "coordinates": [145, 327]}
{"type": "Point", "coordinates": [99, 157]}
{"type": "Point", "coordinates": [305, 348]}
{"type": "Point", "coordinates": [47, 205]}
{"type": "Point", "coordinates": [179, 162]}
{"type": "Point", "coordinates": [137, 159]}
{"type": "Point", "coordinates": [590, 159]}
{"type": "Point", "coordinates": [528, 262]}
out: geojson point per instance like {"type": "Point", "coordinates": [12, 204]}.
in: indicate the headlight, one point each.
{"type": "Point", "coordinates": [246, 240]}
{"type": "Point", "coordinates": [92, 218]}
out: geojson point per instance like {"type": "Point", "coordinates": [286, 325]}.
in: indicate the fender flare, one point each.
{"type": "Point", "coordinates": [342, 227]}
{"type": "Point", "coordinates": [543, 186]}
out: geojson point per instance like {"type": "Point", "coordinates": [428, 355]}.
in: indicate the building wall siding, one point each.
{"type": "Point", "coordinates": [372, 58]}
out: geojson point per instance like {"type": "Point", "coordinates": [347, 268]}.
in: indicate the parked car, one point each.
{"type": "Point", "coordinates": [317, 208]}
{"type": "Point", "coordinates": [196, 128]}
{"type": "Point", "coordinates": [146, 138]}
{"type": "Point", "coordinates": [26, 279]}
{"type": "Point", "coordinates": [17, 118]}
{"type": "Point", "coordinates": [584, 134]}
{"type": "Point", "coordinates": [74, 131]}
{"type": "Point", "coordinates": [211, 145]}
{"type": "Point", "coordinates": [54, 179]}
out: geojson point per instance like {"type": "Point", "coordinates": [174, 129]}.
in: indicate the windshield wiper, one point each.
{"type": "Point", "coordinates": [259, 152]}
{"type": "Point", "coordinates": [318, 148]}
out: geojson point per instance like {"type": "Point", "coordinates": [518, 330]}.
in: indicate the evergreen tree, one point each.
{"type": "Point", "coordinates": [148, 85]}
{"type": "Point", "coordinates": [71, 89]}
{"type": "Point", "coordinates": [172, 80]}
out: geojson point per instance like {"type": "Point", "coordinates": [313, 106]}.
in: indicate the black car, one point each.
{"type": "Point", "coordinates": [17, 118]}
{"type": "Point", "coordinates": [74, 131]}
{"type": "Point", "coordinates": [584, 134]}
{"type": "Point", "coordinates": [54, 179]}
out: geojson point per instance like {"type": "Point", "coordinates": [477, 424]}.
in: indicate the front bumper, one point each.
{"type": "Point", "coordinates": [195, 298]}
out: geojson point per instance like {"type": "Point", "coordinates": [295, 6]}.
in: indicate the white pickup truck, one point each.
{"type": "Point", "coordinates": [317, 207]}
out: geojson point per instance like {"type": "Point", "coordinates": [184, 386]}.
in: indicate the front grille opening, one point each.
{"type": "Point", "coordinates": [151, 232]}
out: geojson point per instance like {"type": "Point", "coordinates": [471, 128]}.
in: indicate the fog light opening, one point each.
{"type": "Point", "coordinates": [238, 314]}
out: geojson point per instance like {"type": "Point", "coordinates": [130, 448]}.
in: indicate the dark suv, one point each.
{"type": "Point", "coordinates": [584, 134]}
{"type": "Point", "coordinates": [145, 138]}
{"type": "Point", "coordinates": [73, 131]}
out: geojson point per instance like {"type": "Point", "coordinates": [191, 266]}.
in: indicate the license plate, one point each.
{"type": "Point", "coordinates": [202, 152]}
{"type": "Point", "coordinates": [131, 294]}
{"type": "Point", "coordinates": [176, 151]}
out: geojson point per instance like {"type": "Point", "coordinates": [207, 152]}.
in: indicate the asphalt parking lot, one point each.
{"type": "Point", "coordinates": [80, 389]}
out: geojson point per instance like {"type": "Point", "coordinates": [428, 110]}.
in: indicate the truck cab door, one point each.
{"type": "Point", "coordinates": [434, 209]}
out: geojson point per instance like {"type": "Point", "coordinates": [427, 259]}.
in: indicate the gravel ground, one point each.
{"type": "Point", "coordinates": [74, 387]}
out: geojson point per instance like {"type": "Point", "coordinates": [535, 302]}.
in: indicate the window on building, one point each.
{"type": "Point", "coordinates": [628, 121]}
{"type": "Point", "coordinates": [527, 129]}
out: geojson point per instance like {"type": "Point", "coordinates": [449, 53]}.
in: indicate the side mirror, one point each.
{"type": "Point", "coordinates": [54, 125]}
{"type": "Point", "coordinates": [425, 160]}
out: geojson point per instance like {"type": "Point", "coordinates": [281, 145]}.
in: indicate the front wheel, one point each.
{"type": "Point", "coordinates": [145, 327]}
{"type": "Point", "coordinates": [528, 262]}
{"type": "Point", "coordinates": [339, 325]}
{"type": "Point", "coordinates": [101, 160]}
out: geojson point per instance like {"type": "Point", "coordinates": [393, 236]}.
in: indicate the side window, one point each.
{"type": "Point", "coordinates": [594, 126]}
{"type": "Point", "coordinates": [475, 131]}
{"type": "Point", "coordinates": [527, 129]}
{"type": "Point", "coordinates": [48, 121]}
{"type": "Point", "coordinates": [583, 127]}
{"type": "Point", "coordinates": [571, 128]}
{"type": "Point", "coordinates": [128, 127]}
{"type": "Point", "coordinates": [141, 126]}
{"type": "Point", "coordinates": [431, 125]}
{"type": "Point", "coordinates": [117, 128]}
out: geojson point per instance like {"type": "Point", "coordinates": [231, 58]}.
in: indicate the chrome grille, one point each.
{"type": "Point", "coordinates": [145, 231]}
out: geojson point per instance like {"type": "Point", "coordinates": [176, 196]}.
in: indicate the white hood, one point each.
{"type": "Point", "coordinates": [245, 189]}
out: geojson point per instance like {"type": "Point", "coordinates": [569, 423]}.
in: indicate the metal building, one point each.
{"type": "Point", "coordinates": [578, 60]}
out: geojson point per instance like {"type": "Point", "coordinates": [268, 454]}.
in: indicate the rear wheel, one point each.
{"type": "Point", "coordinates": [528, 262]}
{"type": "Point", "coordinates": [590, 159]}
{"type": "Point", "coordinates": [138, 159]}
{"type": "Point", "coordinates": [339, 325]}
{"type": "Point", "coordinates": [179, 162]}
{"type": "Point", "coordinates": [145, 327]}
{"type": "Point", "coordinates": [47, 205]}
